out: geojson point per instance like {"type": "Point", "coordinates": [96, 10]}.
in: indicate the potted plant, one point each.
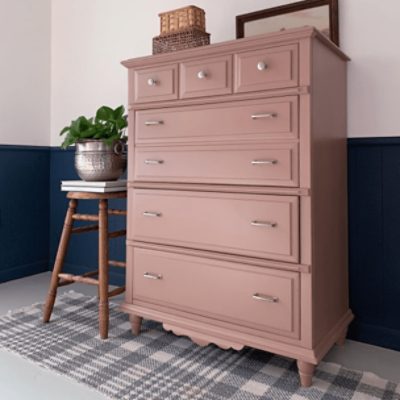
{"type": "Point", "coordinates": [100, 144]}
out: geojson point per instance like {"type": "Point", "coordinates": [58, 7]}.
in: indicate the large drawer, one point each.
{"type": "Point", "coordinates": [239, 120]}
{"type": "Point", "coordinates": [247, 164]}
{"type": "Point", "coordinates": [253, 225]}
{"type": "Point", "coordinates": [269, 68]}
{"type": "Point", "coordinates": [259, 298]}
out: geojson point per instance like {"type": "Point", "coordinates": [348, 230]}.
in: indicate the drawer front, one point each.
{"type": "Point", "coordinates": [254, 164]}
{"type": "Point", "coordinates": [253, 225]}
{"type": "Point", "coordinates": [259, 298]}
{"type": "Point", "coordinates": [154, 84]}
{"type": "Point", "coordinates": [270, 68]}
{"type": "Point", "coordinates": [205, 77]}
{"type": "Point", "coordinates": [240, 120]}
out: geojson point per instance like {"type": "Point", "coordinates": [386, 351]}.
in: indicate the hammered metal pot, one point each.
{"type": "Point", "coordinates": [97, 161]}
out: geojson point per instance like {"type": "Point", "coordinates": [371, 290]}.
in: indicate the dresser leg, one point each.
{"type": "Point", "coordinates": [306, 372]}
{"type": "Point", "coordinates": [58, 264]}
{"type": "Point", "coordinates": [103, 269]}
{"type": "Point", "coordinates": [342, 338]}
{"type": "Point", "coordinates": [136, 324]}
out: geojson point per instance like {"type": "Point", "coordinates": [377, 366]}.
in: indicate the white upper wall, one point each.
{"type": "Point", "coordinates": [25, 72]}
{"type": "Point", "coordinates": [89, 38]}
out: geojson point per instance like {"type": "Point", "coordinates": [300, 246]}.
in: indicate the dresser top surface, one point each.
{"type": "Point", "coordinates": [280, 37]}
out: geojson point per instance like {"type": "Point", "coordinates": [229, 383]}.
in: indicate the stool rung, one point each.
{"type": "Point", "coordinates": [85, 217]}
{"type": "Point", "coordinates": [78, 278]}
{"type": "Point", "coordinates": [83, 229]}
{"type": "Point", "coordinates": [119, 264]}
{"type": "Point", "coordinates": [116, 212]}
{"type": "Point", "coordinates": [116, 234]}
{"type": "Point", "coordinates": [86, 274]}
{"type": "Point", "coordinates": [116, 292]}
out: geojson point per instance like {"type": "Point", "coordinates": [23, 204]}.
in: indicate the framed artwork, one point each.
{"type": "Point", "coordinates": [322, 14]}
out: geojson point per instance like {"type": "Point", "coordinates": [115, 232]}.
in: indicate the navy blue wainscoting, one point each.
{"type": "Point", "coordinates": [24, 216]}
{"type": "Point", "coordinates": [374, 234]}
{"type": "Point", "coordinates": [82, 255]}
{"type": "Point", "coordinates": [32, 210]}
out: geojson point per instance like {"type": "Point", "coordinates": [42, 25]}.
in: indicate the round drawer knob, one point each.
{"type": "Point", "coordinates": [151, 82]}
{"type": "Point", "coordinates": [202, 74]}
{"type": "Point", "coordinates": [261, 66]}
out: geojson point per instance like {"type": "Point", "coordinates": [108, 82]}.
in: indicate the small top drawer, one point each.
{"type": "Point", "coordinates": [271, 68]}
{"type": "Point", "coordinates": [154, 84]}
{"type": "Point", "coordinates": [208, 77]}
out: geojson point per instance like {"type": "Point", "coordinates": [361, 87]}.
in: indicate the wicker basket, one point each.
{"type": "Point", "coordinates": [182, 19]}
{"type": "Point", "coordinates": [180, 40]}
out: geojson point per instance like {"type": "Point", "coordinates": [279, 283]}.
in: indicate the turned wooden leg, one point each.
{"type": "Point", "coordinates": [342, 338]}
{"type": "Point", "coordinates": [306, 372]}
{"type": "Point", "coordinates": [136, 324]}
{"type": "Point", "coordinates": [62, 250]}
{"type": "Point", "coordinates": [103, 269]}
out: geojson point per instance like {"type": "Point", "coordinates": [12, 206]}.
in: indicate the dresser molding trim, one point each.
{"type": "Point", "coordinates": [207, 333]}
{"type": "Point", "coordinates": [220, 188]}
{"type": "Point", "coordinates": [277, 38]}
{"type": "Point", "coordinates": [259, 262]}
{"type": "Point", "coordinates": [267, 94]}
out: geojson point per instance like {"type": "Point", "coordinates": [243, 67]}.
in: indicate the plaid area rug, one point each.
{"type": "Point", "coordinates": [160, 366]}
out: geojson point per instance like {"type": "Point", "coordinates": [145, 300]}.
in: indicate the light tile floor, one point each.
{"type": "Point", "coordinates": [20, 379]}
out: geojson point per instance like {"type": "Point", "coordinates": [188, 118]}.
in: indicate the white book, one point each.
{"type": "Point", "coordinates": [65, 188]}
{"type": "Point", "coordinates": [100, 184]}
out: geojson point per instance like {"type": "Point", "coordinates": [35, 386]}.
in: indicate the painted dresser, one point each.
{"type": "Point", "coordinates": [237, 206]}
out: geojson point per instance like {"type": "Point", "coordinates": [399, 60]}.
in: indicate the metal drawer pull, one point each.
{"type": "Point", "coordinates": [152, 214]}
{"type": "Point", "coordinates": [150, 275]}
{"type": "Point", "coordinates": [152, 82]}
{"type": "Point", "coordinates": [266, 224]}
{"type": "Point", "coordinates": [202, 74]}
{"type": "Point", "coordinates": [263, 297]}
{"type": "Point", "coordinates": [151, 123]}
{"type": "Point", "coordinates": [265, 115]}
{"type": "Point", "coordinates": [262, 66]}
{"type": "Point", "coordinates": [154, 162]}
{"type": "Point", "coordinates": [263, 162]}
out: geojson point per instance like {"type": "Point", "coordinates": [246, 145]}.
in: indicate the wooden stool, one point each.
{"type": "Point", "coordinates": [59, 279]}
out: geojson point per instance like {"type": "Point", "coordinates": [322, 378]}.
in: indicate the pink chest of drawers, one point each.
{"type": "Point", "coordinates": [237, 216]}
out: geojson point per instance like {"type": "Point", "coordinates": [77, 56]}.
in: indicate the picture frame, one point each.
{"type": "Point", "coordinates": [307, 12]}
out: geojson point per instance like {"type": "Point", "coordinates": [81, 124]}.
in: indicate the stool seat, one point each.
{"type": "Point", "coordinates": [96, 196]}
{"type": "Point", "coordinates": [61, 279]}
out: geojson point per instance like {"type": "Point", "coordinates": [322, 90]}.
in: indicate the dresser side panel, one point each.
{"type": "Point", "coordinates": [328, 190]}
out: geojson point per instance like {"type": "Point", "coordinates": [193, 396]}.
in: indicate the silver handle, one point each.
{"type": "Point", "coordinates": [263, 297]}
{"type": "Point", "coordinates": [152, 214]}
{"type": "Point", "coordinates": [202, 74]}
{"type": "Point", "coordinates": [151, 123]}
{"type": "Point", "coordinates": [266, 224]}
{"type": "Point", "coordinates": [150, 275]}
{"type": "Point", "coordinates": [262, 66]}
{"type": "Point", "coordinates": [262, 162]}
{"type": "Point", "coordinates": [154, 162]}
{"type": "Point", "coordinates": [264, 115]}
{"type": "Point", "coordinates": [152, 82]}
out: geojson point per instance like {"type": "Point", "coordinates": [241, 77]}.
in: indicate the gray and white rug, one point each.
{"type": "Point", "coordinates": [160, 366]}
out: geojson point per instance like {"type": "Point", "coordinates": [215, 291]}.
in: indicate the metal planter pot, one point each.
{"type": "Point", "coordinates": [97, 161]}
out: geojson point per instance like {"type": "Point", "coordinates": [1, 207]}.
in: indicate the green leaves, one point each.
{"type": "Point", "coordinates": [107, 125]}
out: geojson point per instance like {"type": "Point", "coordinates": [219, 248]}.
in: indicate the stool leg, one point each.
{"type": "Point", "coordinates": [62, 250]}
{"type": "Point", "coordinates": [103, 269]}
